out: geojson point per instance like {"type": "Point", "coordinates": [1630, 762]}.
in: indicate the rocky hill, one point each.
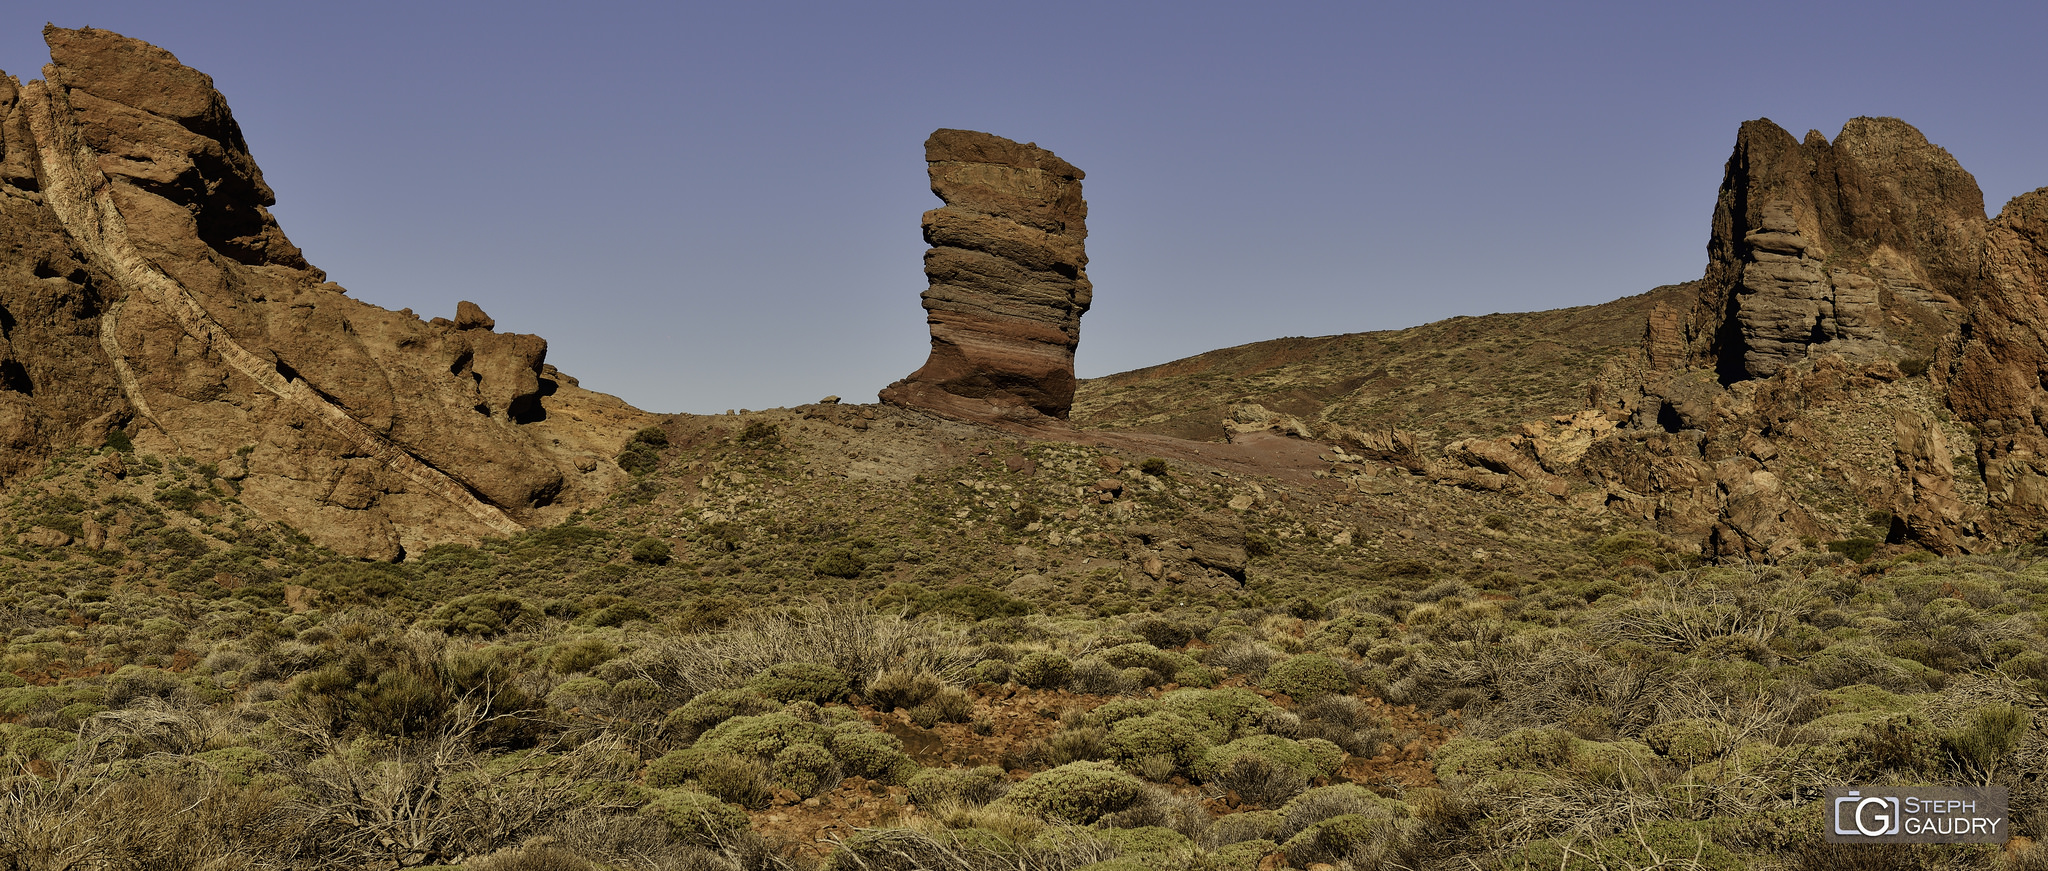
{"type": "Point", "coordinates": [293, 581]}
{"type": "Point", "coordinates": [149, 293]}
{"type": "Point", "coordinates": [1858, 361]}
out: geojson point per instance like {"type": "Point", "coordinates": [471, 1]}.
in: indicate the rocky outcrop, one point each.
{"type": "Point", "coordinates": [155, 292]}
{"type": "Point", "coordinates": [1861, 247]}
{"type": "Point", "coordinates": [1008, 282]}
{"type": "Point", "coordinates": [1994, 370]}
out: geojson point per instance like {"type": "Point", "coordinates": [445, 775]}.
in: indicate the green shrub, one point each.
{"type": "Point", "coordinates": [875, 755]}
{"type": "Point", "coordinates": [707, 710]}
{"type": "Point", "coordinates": [1346, 838]}
{"type": "Point", "coordinates": [1044, 670]}
{"type": "Point", "coordinates": [580, 654]}
{"type": "Point", "coordinates": [839, 563]}
{"type": "Point", "coordinates": [653, 551]}
{"type": "Point", "coordinates": [1222, 714]}
{"type": "Point", "coordinates": [697, 819]}
{"type": "Point", "coordinates": [761, 736]}
{"type": "Point", "coordinates": [1078, 792]}
{"type": "Point", "coordinates": [1858, 549]}
{"type": "Point", "coordinates": [1158, 736]}
{"type": "Point", "coordinates": [803, 768]}
{"type": "Point", "coordinates": [119, 441]}
{"type": "Point", "coordinates": [934, 786]}
{"type": "Point", "coordinates": [1687, 742]}
{"type": "Point", "coordinates": [485, 615]}
{"type": "Point", "coordinates": [1240, 855]}
{"type": "Point", "coordinates": [948, 705]}
{"type": "Point", "coordinates": [179, 498]}
{"type": "Point", "coordinates": [1312, 758]}
{"type": "Point", "coordinates": [651, 435]}
{"type": "Point", "coordinates": [800, 681]}
{"type": "Point", "coordinates": [1990, 733]}
{"type": "Point", "coordinates": [1154, 466]}
{"type": "Point", "coordinates": [1259, 780]}
{"type": "Point", "coordinates": [891, 690]}
{"type": "Point", "coordinates": [1307, 676]}
{"type": "Point", "coordinates": [1328, 802]}
{"type": "Point", "coordinates": [736, 779]}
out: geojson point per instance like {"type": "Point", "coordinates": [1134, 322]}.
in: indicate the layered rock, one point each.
{"type": "Point", "coordinates": [1860, 247]}
{"type": "Point", "coordinates": [155, 292]}
{"type": "Point", "coordinates": [1007, 282]}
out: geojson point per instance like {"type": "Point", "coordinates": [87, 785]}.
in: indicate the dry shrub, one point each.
{"type": "Point", "coordinates": [81, 818]}
{"type": "Point", "coordinates": [851, 637]}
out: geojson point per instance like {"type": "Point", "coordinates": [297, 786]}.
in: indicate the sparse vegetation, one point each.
{"type": "Point", "coordinates": [577, 694]}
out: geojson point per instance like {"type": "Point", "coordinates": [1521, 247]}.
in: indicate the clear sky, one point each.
{"type": "Point", "coordinates": [715, 205]}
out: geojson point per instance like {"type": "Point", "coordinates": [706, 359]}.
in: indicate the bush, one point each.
{"type": "Point", "coordinates": [1166, 736]}
{"type": "Point", "coordinates": [653, 551]}
{"type": "Point", "coordinates": [902, 689]}
{"type": "Point", "coordinates": [1350, 837]}
{"type": "Point", "coordinates": [735, 779]}
{"type": "Point", "coordinates": [800, 681]}
{"type": "Point", "coordinates": [1991, 733]}
{"type": "Point", "coordinates": [1858, 549]}
{"type": "Point", "coordinates": [485, 615]}
{"type": "Point", "coordinates": [871, 754]}
{"type": "Point", "coordinates": [1222, 714]}
{"type": "Point", "coordinates": [805, 769]}
{"type": "Point", "coordinates": [839, 563]}
{"type": "Point", "coordinates": [935, 786]}
{"type": "Point", "coordinates": [1312, 759]}
{"type": "Point", "coordinates": [1307, 676]}
{"type": "Point", "coordinates": [700, 714]}
{"type": "Point", "coordinates": [1078, 792]}
{"type": "Point", "coordinates": [948, 705]}
{"type": "Point", "coordinates": [1259, 780]}
{"type": "Point", "coordinates": [1154, 466]}
{"type": "Point", "coordinates": [1044, 671]}
{"type": "Point", "coordinates": [580, 654]}
{"type": "Point", "coordinates": [652, 435]}
{"type": "Point", "coordinates": [617, 614]}
{"type": "Point", "coordinates": [697, 819]}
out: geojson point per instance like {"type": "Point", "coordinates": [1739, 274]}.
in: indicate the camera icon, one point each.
{"type": "Point", "coordinates": [1868, 816]}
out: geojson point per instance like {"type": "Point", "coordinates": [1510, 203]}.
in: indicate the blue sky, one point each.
{"type": "Point", "coordinates": [711, 206]}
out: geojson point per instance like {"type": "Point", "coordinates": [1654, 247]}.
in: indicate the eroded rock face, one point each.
{"type": "Point", "coordinates": [1008, 282]}
{"type": "Point", "coordinates": [1994, 370]}
{"type": "Point", "coordinates": [1862, 247]}
{"type": "Point", "coordinates": [155, 291]}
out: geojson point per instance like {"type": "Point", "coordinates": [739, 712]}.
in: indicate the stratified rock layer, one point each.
{"type": "Point", "coordinates": [1861, 247]}
{"type": "Point", "coordinates": [1008, 282]}
{"type": "Point", "coordinates": [152, 290]}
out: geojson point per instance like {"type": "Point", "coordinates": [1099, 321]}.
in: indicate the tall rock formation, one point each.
{"type": "Point", "coordinates": [1866, 247]}
{"type": "Point", "coordinates": [148, 287]}
{"type": "Point", "coordinates": [1995, 368]}
{"type": "Point", "coordinates": [1008, 282]}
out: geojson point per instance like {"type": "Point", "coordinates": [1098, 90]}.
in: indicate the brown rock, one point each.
{"type": "Point", "coordinates": [470, 316]}
{"type": "Point", "coordinates": [1993, 372]}
{"type": "Point", "coordinates": [1887, 208]}
{"type": "Point", "coordinates": [151, 290]}
{"type": "Point", "coordinates": [1008, 282]}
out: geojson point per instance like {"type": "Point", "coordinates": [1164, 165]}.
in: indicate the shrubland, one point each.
{"type": "Point", "coordinates": [812, 671]}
